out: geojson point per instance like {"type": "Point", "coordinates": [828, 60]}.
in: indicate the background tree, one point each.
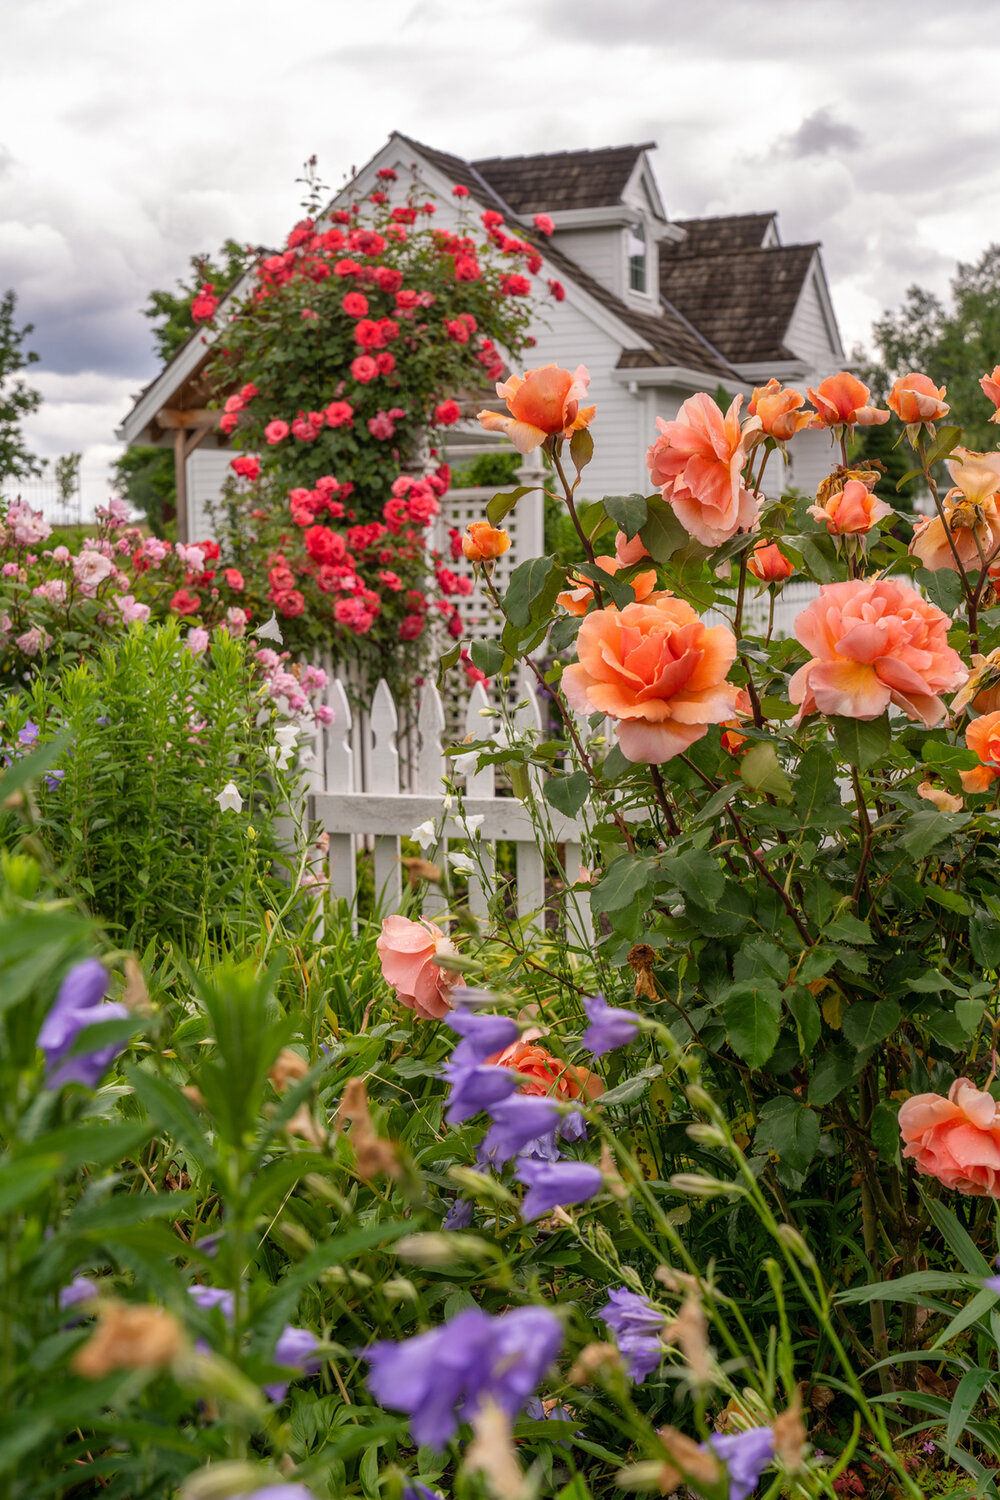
{"type": "Point", "coordinates": [144, 475]}
{"type": "Point", "coordinates": [17, 399]}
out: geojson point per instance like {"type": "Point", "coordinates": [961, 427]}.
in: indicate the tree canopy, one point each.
{"type": "Point", "coordinates": [170, 311]}
{"type": "Point", "coordinates": [17, 399]}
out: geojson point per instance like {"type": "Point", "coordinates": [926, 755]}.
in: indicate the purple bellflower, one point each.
{"type": "Point", "coordinates": [80, 1289]}
{"type": "Point", "coordinates": [443, 1377]}
{"type": "Point", "coordinates": [636, 1325]}
{"type": "Point", "coordinates": [608, 1028]}
{"type": "Point", "coordinates": [459, 1215]}
{"type": "Point", "coordinates": [482, 1035]}
{"type": "Point", "coordinates": [746, 1455]}
{"type": "Point", "coordinates": [418, 1491]}
{"type": "Point", "coordinates": [79, 1004]}
{"type": "Point", "coordinates": [475, 1084]}
{"type": "Point", "coordinates": [207, 1297]}
{"type": "Point", "coordinates": [556, 1185]}
{"type": "Point", "coordinates": [517, 1123]}
{"type": "Point", "coordinates": [281, 1492]}
{"type": "Point", "coordinates": [294, 1348]}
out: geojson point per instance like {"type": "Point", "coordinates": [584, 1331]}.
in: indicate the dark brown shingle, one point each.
{"type": "Point", "coordinates": [715, 235]}
{"type": "Point", "coordinates": [740, 300]}
{"type": "Point", "coordinates": [562, 179]}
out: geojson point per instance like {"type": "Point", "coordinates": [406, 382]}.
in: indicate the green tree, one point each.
{"type": "Point", "coordinates": [170, 311]}
{"type": "Point", "coordinates": [144, 476]}
{"type": "Point", "coordinates": [17, 399]}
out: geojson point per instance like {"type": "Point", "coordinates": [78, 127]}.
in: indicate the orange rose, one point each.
{"type": "Point", "coordinates": [983, 687]}
{"type": "Point", "coordinates": [874, 642]}
{"type": "Point", "coordinates": [983, 738]}
{"type": "Point", "coordinates": [698, 463]}
{"type": "Point", "coordinates": [768, 563]}
{"type": "Point", "coordinates": [542, 403]}
{"type": "Point", "coordinates": [971, 512]}
{"type": "Point", "coordinates": [659, 670]}
{"type": "Point", "coordinates": [991, 388]}
{"type": "Point", "coordinates": [942, 799]}
{"type": "Point", "coordinates": [483, 542]}
{"type": "Point", "coordinates": [915, 398]}
{"type": "Point", "coordinates": [841, 401]}
{"type": "Point", "coordinates": [407, 951]}
{"type": "Point", "coordinates": [629, 550]}
{"type": "Point", "coordinates": [577, 601]}
{"type": "Point", "coordinates": [545, 1074]}
{"type": "Point", "coordinates": [956, 1140]}
{"type": "Point", "coordinates": [778, 410]}
{"type": "Point", "coordinates": [851, 511]}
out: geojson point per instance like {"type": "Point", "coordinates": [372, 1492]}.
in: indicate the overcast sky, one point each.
{"type": "Point", "coordinates": [133, 134]}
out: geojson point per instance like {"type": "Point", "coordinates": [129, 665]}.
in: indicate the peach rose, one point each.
{"type": "Point", "coordinates": [768, 563]}
{"type": "Point", "coordinates": [983, 738]}
{"type": "Point", "coordinates": [483, 542]}
{"type": "Point", "coordinates": [915, 398]}
{"type": "Point", "coordinates": [542, 403]}
{"type": "Point", "coordinates": [991, 389]}
{"type": "Point", "coordinates": [698, 463]}
{"type": "Point", "coordinates": [842, 400]}
{"type": "Point", "coordinates": [407, 951]}
{"type": "Point", "coordinates": [659, 670]}
{"type": "Point", "coordinates": [545, 1074]}
{"type": "Point", "coordinates": [778, 410]}
{"type": "Point", "coordinates": [577, 601]}
{"type": "Point", "coordinates": [874, 642]}
{"type": "Point", "coordinates": [629, 550]}
{"type": "Point", "coordinates": [852, 510]}
{"type": "Point", "coordinates": [942, 799]}
{"type": "Point", "coordinates": [971, 513]}
{"type": "Point", "coordinates": [956, 1140]}
{"type": "Point", "coordinates": [983, 687]}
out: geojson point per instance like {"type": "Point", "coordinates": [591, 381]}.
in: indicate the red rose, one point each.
{"type": "Point", "coordinates": [411, 627]}
{"type": "Point", "coordinates": [185, 603]}
{"type": "Point", "coordinates": [388, 279]}
{"type": "Point", "coordinates": [364, 368]}
{"type": "Point", "coordinates": [466, 268]}
{"type": "Point", "coordinates": [458, 191]}
{"type": "Point", "coordinates": [355, 305]}
{"type": "Point", "coordinates": [204, 305]}
{"type": "Point", "coordinates": [246, 466]}
{"type": "Point", "coordinates": [447, 414]}
{"type": "Point", "coordinates": [338, 414]}
{"type": "Point", "coordinates": [385, 362]}
{"type": "Point", "coordinates": [234, 579]}
{"type": "Point", "coordinates": [491, 218]}
{"type": "Point", "coordinates": [556, 288]}
{"type": "Point", "coordinates": [324, 545]}
{"type": "Point", "coordinates": [515, 286]}
{"type": "Point", "coordinates": [290, 604]}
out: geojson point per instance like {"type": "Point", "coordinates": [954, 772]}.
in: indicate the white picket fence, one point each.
{"type": "Point", "coordinates": [361, 801]}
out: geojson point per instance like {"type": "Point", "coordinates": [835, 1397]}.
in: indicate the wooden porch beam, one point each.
{"type": "Point", "coordinates": [169, 417]}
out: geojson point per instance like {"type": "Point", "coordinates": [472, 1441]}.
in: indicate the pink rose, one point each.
{"type": "Point", "coordinates": [90, 569]}
{"type": "Point", "coordinates": [875, 642]}
{"type": "Point", "coordinates": [131, 609]}
{"type": "Point", "coordinates": [697, 461]}
{"type": "Point", "coordinates": [956, 1140]}
{"type": "Point", "coordinates": [276, 432]}
{"type": "Point", "coordinates": [407, 951]}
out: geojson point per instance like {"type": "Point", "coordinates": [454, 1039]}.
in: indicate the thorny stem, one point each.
{"type": "Point", "coordinates": [971, 599]}
{"type": "Point", "coordinates": [866, 837]}
{"type": "Point", "coordinates": [661, 797]}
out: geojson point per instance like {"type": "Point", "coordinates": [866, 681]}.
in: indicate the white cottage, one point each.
{"type": "Point", "coordinates": [656, 308]}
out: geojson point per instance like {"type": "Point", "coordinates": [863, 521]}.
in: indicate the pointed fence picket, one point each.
{"type": "Point", "coordinates": [359, 800]}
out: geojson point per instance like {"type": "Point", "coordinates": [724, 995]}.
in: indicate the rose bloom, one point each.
{"type": "Point", "coordinates": [542, 403]}
{"type": "Point", "coordinates": [991, 389]}
{"type": "Point", "coordinates": [483, 542]}
{"type": "Point", "coordinates": [915, 398]}
{"type": "Point", "coordinates": [234, 579]}
{"type": "Point", "coordinates": [90, 568]}
{"type": "Point", "coordinates": [983, 687]}
{"type": "Point", "coordinates": [971, 513]}
{"type": "Point", "coordinates": [778, 410]}
{"type": "Point", "coordinates": [956, 1140]}
{"type": "Point", "coordinates": [545, 1074]}
{"type": "Point", "coordinates": [874, 642]}
{"type": "Point", "coordinates": [657, 669]}
{"type": "Point", "coordinates": [942, 799]}
{"type": "Point", "coordinates": [697, 461]}
{"type": "Point", "coordinates": [276, 431]}
{"type": "Point", "coordinates": [577, 601]}
{"type": "Point", "coordinates": [983, 738]}
{"type": "Point", "coordinates": [842, 401]}
{"type": "Point", "coordinates": [629, 550]}
{"type": "Point", "coordinates": [768, 563]}
{"type": "Point", "coordinates": [407, 951]}
{"type": "Point", "coordinates": [185, 603]}
{"type": "Point", "coordinates": [853, 510]}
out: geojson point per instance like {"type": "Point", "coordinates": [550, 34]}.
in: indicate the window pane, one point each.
{"type": "Point", "coordinates": [636, 243]}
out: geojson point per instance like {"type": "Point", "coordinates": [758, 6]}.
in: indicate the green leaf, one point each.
{"type": "Point", "coordinates": [532, 590]}
{"type": "Point", "coordinates": [567, 794]}
{"type": "Point", "coordinates": [947, 439]}
{"type": "Point", "coordinates": [488, 656]}
{"type": "Point", "coordinates": [630, 512]}
{"type": "Point", "coordinates": [631, 1088]}
{"type": "Point", "coordinates": [761, 771]}
{"type": "Point", "coordinates": [752, 1018]}
{"type": "Point", "coordinates": [956, 1237]}
{"type": "Point", "coordinates": [984, 938]}
{"type": "Point", "coordinates": [581, 448]}
{"type": "Point", "coordinates": [22, 1179]}
{"type": "Point", "coordinates": [696, 875]}
{"type": "Point", "coordinates": [620, 589]}
{"type": "Point", "coordinates": [819, 557]}
{"type": "Point", "coordinates": [448, 660]}
{"type": "Point", "coordinates": [622, 884]}
{"type": "Point", "coordinates": [885, 1130]}
{"type": "Point", "coordinates": [501, 505]}
{"type": "Point", "coordinates": [662, 535]}
{"type": "Point", "coordinates": [943, 586]}
{"type": "Point", "coordinates": [925, 829]}
{"type": "Point", "coordinates": [848, 929]}
{"type": "Point", "coordinates": [831, 1076]}
{"type": "Point", "coordinates": [963, 1402]}
{"type": "Point", "coordinates": [170, 1109]}
{"type": "Point", "coordinates": [28, 768]}
{"type": "Point", "coordinates": [815, 783]}
{"type": "Point", "coordinates": [804, 1011]}
{"type": "Point", "coordinates": [862, 742]}
{"type": "Point", "coordinates": [790, 1131]}
{"type": "Point", "coordinates": [866, 1023]}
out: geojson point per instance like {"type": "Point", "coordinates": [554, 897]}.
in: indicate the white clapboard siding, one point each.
{"type": "Point", "coordinates": [374, 810]}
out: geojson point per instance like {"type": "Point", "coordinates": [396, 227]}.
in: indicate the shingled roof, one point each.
{"type": "Point", "coordinates": [741, 300]}
{"type": "Point", "coordinates": [713, 236]}
{"type": "Point", "coordinates": [562, 179]}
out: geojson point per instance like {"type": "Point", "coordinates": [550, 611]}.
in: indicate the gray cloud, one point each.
{"type": "Point", "coordinates": [820, 134]}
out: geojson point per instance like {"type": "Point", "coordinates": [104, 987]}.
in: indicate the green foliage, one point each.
{"type": "Point", "coordinates": [486, 469]}
{"type": "Point", "coordinates": [17, 399]}
{"type": "Point", "coordinates": [146, 477]}
{"type": "Point", "coordinates": [170, 311]}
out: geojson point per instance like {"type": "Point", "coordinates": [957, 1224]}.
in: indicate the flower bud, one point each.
{"type": "Point", "coordinates": [483, 542]}
{"type": "Point", "coordinates": [706, 1135]}
{"type": "Point", "coordinates": [793, 1241]}
{"type": "Point", "coordinates": [703, 1187]}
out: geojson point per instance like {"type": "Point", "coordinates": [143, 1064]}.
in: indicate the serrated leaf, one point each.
{"type": "Point", "coordinates": [762, 772]}
{"type": "Point", "coordinates": [815, 783]}
{"type": "Point", "coordinates": [630, 512]}
{"type": "Point", "coordinates": [625, 880]}
{"type": "Point", "coordinates": [488, 656]}
{"type": "Point", "coordinates": [532, 590]}
{"type": "Point", "coordinates": [790, 1131]}
{"type": "Point", "coordinates": [832, 1074]}
{"type": "Point", "coordinates": [923, 830]}
{"type": "Point", "coordinates": [942, 586]}
{"type": "Point", "coordinates": [752, 1017]}
{"type": "Point", "coordinates": [621, 591]}
{"type": "Point", "coordinates": [567, 794]}
{"type": "Point", "coordinates": [631, 1088]}
{"type": "Point", "coordinates": [662, 535]}
{"type": "Point", "coordinates": [947, 439]}
{"type": "Point", "coordinates": [501, 505]}
{"type": "Point", "coordinates": [984, 938]}
{"type": "Point", "coordinates": [581, 448]}
{"type": "Point", "coordinates": [885, 1130]}
{"type": "Point", "coordinates": [696, 875]}
{"type": "Point", "coordinates": [804, 1011]}
{"type": "Point", "coordinates": [862, 742]}
{"type": "Point", "coordinates": [868, 1022]}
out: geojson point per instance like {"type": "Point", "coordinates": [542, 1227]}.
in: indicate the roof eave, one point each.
{"type": "Point", "coordinates": [673, 375]}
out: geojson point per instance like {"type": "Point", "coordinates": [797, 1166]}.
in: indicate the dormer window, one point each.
{"type": "Point", "coordinates": [636, 242]}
